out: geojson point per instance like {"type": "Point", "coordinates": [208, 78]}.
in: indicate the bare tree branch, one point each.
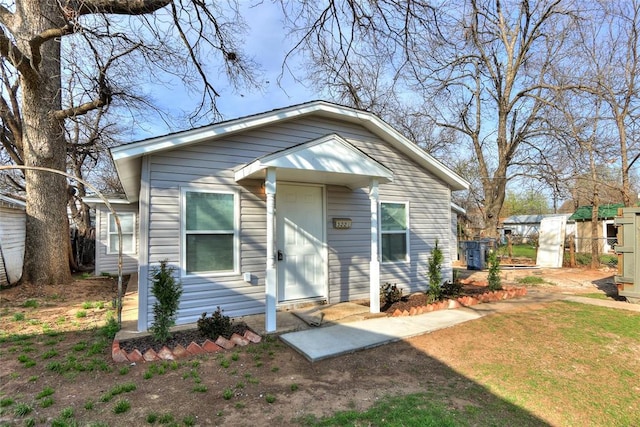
{"type": "Point", "coordinates": [6, 17]}
{"type": "Point", "coordinates": [11, 52]}
{"type": "Point", "coordinates": [120, 7]}
{"type": "Point", "coordinates": [37, 42]}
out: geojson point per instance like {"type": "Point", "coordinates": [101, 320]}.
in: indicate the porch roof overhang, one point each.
{"type": "Point", "coordinates": [327, 160]}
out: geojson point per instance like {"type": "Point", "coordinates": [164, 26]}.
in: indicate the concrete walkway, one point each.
{"type": "Point", "coordinates": [331, 341]}
{"type": "Point", "coordinates": [335, 340]}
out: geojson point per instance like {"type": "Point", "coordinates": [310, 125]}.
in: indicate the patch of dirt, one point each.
{"type": "Point", "coordinates": [301, 390]}
{"type": "Point", "coordinates": [82, 304]}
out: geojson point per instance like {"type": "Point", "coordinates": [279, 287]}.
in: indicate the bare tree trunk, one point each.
{"type": "Point", "coordinates": [47, 242]}
{"type": "Point", "coordinates": [595, 241]}
{"type": "Point", "coordinates": [624, 161]}
{"type": "Point", "coordinates": [572, 251]}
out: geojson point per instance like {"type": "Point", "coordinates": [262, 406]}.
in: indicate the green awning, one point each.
{"type": "Point", "coordinates": [604, 212]}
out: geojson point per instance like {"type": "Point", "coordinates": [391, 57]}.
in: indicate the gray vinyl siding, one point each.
{"type": "Point", "coordinates": [211, 166]}
{"type": "Point", "coordinates": [350, 249]}
{"type": "Point", "coordinates": [106, 262]}
{"type": "Point", "coordinates": [429, 201]}
{"type": "Point", "coordinates": [453, 243]}
{"type": "Point", "coordinates": [12, 240]}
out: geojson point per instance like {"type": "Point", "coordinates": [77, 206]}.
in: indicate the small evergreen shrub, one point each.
{"type": "Point", "coordinates": [451, 289]}
{"type": "Point", "coordinates": [216, 325]}
{"type": "Point", "coordinates": [389, 294]}
{"type": "Point", "coordinates": [494, 272]}
{"type": "Point", "coordinates": [435, 274]}
{"type": "Point", "coordinates": [167, 292]}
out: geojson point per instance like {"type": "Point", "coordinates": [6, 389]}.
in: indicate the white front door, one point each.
{"type": "Point", "coordinates": [301, 252]}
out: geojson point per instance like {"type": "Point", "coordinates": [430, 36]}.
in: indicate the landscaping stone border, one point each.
{"type": "Point", "coordinates": [221, 344]}
{"type": "Point", "coordinates": [465, 301]}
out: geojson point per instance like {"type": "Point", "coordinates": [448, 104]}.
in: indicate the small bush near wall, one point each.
{"type": "Point", "coordinates": [167, 292]}
{"type": "Point", "coordinates": [435, 274]}
{"type": "Point", "coordinates": [389, 294]}
{"type": "Point", "coordinates": [216, 325]}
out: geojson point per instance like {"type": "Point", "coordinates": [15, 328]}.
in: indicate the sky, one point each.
{"type": "Point", "coordinates": [266, 43]}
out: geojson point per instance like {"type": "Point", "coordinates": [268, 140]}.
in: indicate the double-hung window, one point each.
{"type": "Point", "coordinates": [127, 226]}
{"type": "Point", "coordinates": [210, 232]}
{"type": "Point", "coordinates": [394, 231]}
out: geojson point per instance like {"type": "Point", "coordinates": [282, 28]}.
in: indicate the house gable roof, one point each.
{"type": "Point", "coordinates": [529, 219]}
{"type": "Point", "coordinates": [604, 212]}
{"type": "Point", "coordinates": [127, 158]}
{"type": "Point", "coordinates": [332, 159]}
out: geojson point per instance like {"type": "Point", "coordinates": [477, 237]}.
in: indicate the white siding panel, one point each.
{"type": "Point", "coordinates": [12, 239]}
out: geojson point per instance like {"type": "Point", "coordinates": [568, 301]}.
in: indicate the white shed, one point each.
{"type": "Point", "coordinates": [12, 238]}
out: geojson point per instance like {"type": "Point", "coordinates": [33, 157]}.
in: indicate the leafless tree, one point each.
{"type": "Point", "coordinates": [122, 41]}
{"type": "Point", "coordinates": [479, 67]}
{"type": "Point", "coordinates": [609, 46]}
{"type": "Point", "coordinates": [589, 148]}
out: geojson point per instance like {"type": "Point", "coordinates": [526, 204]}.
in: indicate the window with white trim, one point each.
{"type": "Point", "coordinates": [394, 233]}
{"type": "Point", "coordinates": [127, 227]}
{"type": "Point", "coordinates": [209, 232]}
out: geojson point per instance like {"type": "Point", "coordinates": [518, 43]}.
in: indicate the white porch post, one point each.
{"type": "Point", "coordinates": [374, 266]}
{"type": "Point", "coordinates": [271, 284]}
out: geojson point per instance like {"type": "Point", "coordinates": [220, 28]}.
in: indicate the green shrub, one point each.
{"type": "Point", "coordinates": [435, 274]}
{"type": "Point", "coordinates": [494, 272]}
{"type": "Point", "coordinates": [451, 289]}
{"type": "Point", "coordinates": [609, 259]}
{"type": "Point", "coordinates": [216, 325]}
{"type": "Point", "coordinates": [167, 292]}
{"type": "Point", "coordinates": [389, 294]}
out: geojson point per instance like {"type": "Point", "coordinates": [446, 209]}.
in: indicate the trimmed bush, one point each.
{"type": "Point", "coordinates": [435, 274]}
{"type": "Point", "coordinates": [389, 294]}
{"type": "Point", "coordinates": [495, 283]}
{"type": "Point", "coordinates": [167, 292]}
{"type": "Point", "coordinates": [216, 325]}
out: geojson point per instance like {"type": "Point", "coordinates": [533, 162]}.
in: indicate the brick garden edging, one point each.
{"type": "Point", "coordinates": [464, 301]}
{"type": "Point", "coordinates": [221, 344]}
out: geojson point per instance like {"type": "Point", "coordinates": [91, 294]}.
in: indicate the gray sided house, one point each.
{"type": "Point", "coordinates": [13, 220]}
{"type": "Point", "coordinates": [312, 203]}
{"type": "Point", "coordinates": [526, 226]}
{"type": "Point", "coordinates": [107, 246]}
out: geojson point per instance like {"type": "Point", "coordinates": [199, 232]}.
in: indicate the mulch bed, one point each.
{"type": "Point", "coordinates": [182, 338]}
{"type": "Point", "coordinates": [420, 299]}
